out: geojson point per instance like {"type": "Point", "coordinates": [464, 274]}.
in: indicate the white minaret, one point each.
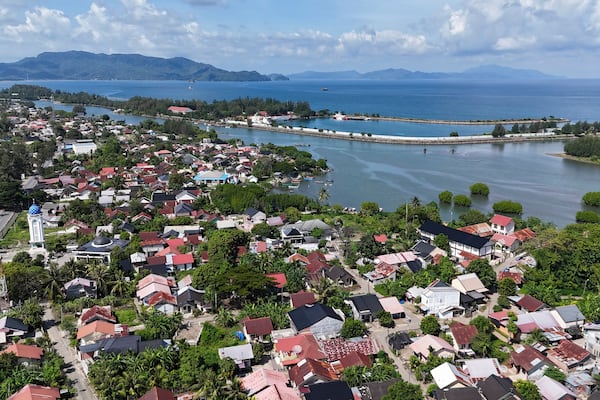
{"type": "Point", "coordinates": [36, 226]}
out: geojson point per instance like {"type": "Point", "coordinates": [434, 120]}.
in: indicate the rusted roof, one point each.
{"type": "Point", "coordinates": [463, 334]}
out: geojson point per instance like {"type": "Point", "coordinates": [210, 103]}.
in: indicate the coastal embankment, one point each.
{"type": "Point", "coordinates": [414, 140]}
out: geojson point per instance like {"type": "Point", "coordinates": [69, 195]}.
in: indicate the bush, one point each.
{"type": "Point", "coordinates": [479, 189]}
{"type": "Point", "coordinates": [453, 134]}
{"type": "Point", "coordinates": [385, 319]}
{"type": "Point", "coordinates": [507, 207]}
{"type": "Point", "coordinates": [430, 325]}
{"type": "Point", "coordinates": [462, 200]}
{"type": "Point", "coordinates": [587, 216]}
{"type": "Point", "coordinates": [445, 197]}
{"type": "Point", "coordinates": [353, 328]}
{"type": "Point", "coordinates": [592, 199]}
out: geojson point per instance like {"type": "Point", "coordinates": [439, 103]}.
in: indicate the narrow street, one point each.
{"type": "Point", "coordinates": [61, 345]}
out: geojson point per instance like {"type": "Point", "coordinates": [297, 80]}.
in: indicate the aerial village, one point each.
{"type": "Point", "coordinates": [258, 299]}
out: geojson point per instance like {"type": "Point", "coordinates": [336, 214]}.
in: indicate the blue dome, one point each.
{"type": "Point", "coordinates": [34, 209]}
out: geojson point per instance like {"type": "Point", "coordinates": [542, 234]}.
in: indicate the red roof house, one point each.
{"type": "Point", "coordinates": [257, 328]}
{"type": "Point", "coordinates": [24, 351]}
{"type": "Point", "coordinates": [157, 393]}
{"type": "Point", "coordinates": [36, 392]}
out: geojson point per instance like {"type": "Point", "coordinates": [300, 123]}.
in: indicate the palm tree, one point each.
{"type": "Point", "coordinates": [119, 286]}
{"type": "Point", "coordinates": [54, 285]}
{"type": "Point", "coordinates": [99, 273]}
{"type": "Point", "coordinates": [225, 318]}
{"type": "Point", "coordinates": [323, 195]}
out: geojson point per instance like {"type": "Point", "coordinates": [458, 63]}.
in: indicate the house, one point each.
{"type": "Point", "coordinates": [157, 393]}
{"type": "Point", "coordinates": [480, 369]}
{"type": "Point", "coordinates": [335, 390]}
{"type": "Point", "coordinates": [568, 316]}
{"type": "Point", "coordinates": [580, 383]}
{"type": "Point", "coordinates": [340, 276]}
{"type": "Point", "coordinates": [482, 229]}
{"type": "Point", "coordinates": [319, 319]}
{"type": "Point", "coordinates": [151, 284]}
{"type": "Point", "coordinates": [277, 392]}
{"type": "Point", "coordinates": [119, 345]}
{"type": "Point", "coordinates": [255, 216]}
{"type": "Point", "coordinates": [98, 330]}
{"type": "Point", "coordinates": [376, 390]}
{"type": "Point", "coordinates": [365, 307]}
{"type": "Point", "coordinates": [553, 390]}
{"type": "Point", "coordinates": [447, 376]}
{"type": "Point", "coordinates": [189, 299]}
{"type": "Point", "coordinates": [398, 341]}
{"type": "Point", "coordinates": [466, 393]}
{"type": "Point", "coordinates": [96, 313]}
{"type": "Point", "coordinates": [440, 299]}
{"type": "Point", "coordinates": [261, 379]}
{"type": "Point", "coordinates": [339, 348]}
{"type": "Point", "coordinates": [427, 251]}
{"type": "Point", "coordinates": [309, 371]}
{"type": "Point", "coordinates": [530, 303]}
{"type": "Point", "coordinates": [462, 336]}
{"type": "Point", "coordinates": [529, 361]}
{"type": "Point", "coordinates": [423, 346]}
{"type": "Point", "coordinates": [544, 320]}
{"type": "Point", "coordinates": [462, 244]}
{"type": "Point", "coordinates": [99, 248]}
{"type": "Point", "coordinates": [505, 244]}
{"type": "Point", "coordinates": [502, 224]}
{"type": "Point", "coordinates": [498, 388]}
{"type": "Point", "coordinates": [392, 305]}
{"type": "Point", "coordinates": [257, 329]}
{"type": "Point", "coordinates": [568, 355]}
{"type": "Point", "coordinates": [80, 287]}
{"type": "Point", "coordinates": [291, 350]}
{"type": "Point", "coordinates": [12, 328]}
{"type": "Point", "coordinates": [163, 302]}
{"type": "Point", "coordinates": [591, 336]}
{"type": "Point", "coordinates": [26, 354]}
{"type": "Point", "coordinates": [302, 298]}
{"type": "Point", "coordinates": [469, 284]}
{"type": "Point", "coordinates": [242, 355]}
{"type": "Point", "coordinates": [381, 273]}
{"type": "Point", "coordinates": [36, 392]}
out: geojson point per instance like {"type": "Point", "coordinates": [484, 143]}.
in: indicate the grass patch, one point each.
{"type": "Point", "coordinates": [126, 316]}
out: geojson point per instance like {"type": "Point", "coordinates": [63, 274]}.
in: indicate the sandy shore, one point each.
{"type": "Point", "coordinates": [574, 158]}
{"type": "Point", "coordinates": [414, 140]}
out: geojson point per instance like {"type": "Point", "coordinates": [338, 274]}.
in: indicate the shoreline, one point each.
{"type": "Point", "coordinates": [459, 122]}
{"type": "Point", "coordinates": [407, 140]}
{"type": "Point", "coordinates": [565, 156]}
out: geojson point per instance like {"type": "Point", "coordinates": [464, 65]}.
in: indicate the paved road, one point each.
{"type": "Point", "coordinates": [61, 344]}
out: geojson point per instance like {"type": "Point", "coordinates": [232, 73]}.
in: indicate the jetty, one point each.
{"type": "Point", "coordinates": [408, 140]}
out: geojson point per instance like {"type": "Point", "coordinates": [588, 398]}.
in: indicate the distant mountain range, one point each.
{"type": "Point", "coordinates": [81, 65]}
{"type": "Point", "coordinates": [491, 72]}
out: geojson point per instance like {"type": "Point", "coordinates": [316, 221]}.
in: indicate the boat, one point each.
{"type": "Point", "coordinates": [340, 117]}
{"type": "Point", "coordinates": [309, 178]}
{"type": "Point", "coordinates": [291, 187]}
{"type": "Point", "coordinates": [324, 89]}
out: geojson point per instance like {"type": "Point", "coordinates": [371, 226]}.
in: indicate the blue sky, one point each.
{"type": "Point", "coordinates": [560, 37]}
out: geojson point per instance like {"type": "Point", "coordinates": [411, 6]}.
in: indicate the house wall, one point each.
{"type": "Point", "coordinates": [327, 328]}
{"type": "Point", "coordinates": [437, 300]}
{"type": "Point", "coordinates": [592, 342]}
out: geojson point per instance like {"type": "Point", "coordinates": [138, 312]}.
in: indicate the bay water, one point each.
{"type": "Point", "coordinates": [549, 187]}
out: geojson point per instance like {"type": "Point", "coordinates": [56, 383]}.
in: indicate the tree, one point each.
{"type": "Point", "coordinates": [443, 243]}
{"type": "Point", "coordinates": [462, 200]}
{"type": "Point", "coordinates": [472, 217]}
{"type": "Point", "coordinates": [591, 199]}
{"type": "Point", "coordinates": [403, 390]}
{"type": "Point", "coordinates": [264, 230]}
{"type": "Point", "coordinates": [482, 344]}
{"type": "Point", "coordinates": [353, 328]}
{"type": "Point", "coordinates": [323, 195]}
{"type": "Point", "coordinates": [479, 189]}
{"type": "Point", "coordinates": [445, 197]}
{"type": "Point", "coordinates": [484, 272]}
{"type": "Point", "coordinates": [482, 324]}
{"type": "Point", "coordinates": [499, 131]}
{"type": "Point", "coordinates": [587, 216]}
{"type": "Point", "coordinates": [385, 319]}
{"type": "Point", "coordinates": [528, 390]}
{"type": "Point", "coordinates": [369, 208]}
{"type": "Point", "coordinates": [430, 325]}
{"type": "Point", "coordinates": [555, 373]}
{"type": "Point", "coordinates": [31, 312]}
{"type": "Point", "coordinates": [507, 287]}
{"type": "Point", "coordinates": [507, 207]}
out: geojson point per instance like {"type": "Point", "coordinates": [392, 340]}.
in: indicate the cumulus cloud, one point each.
{"type": "Point", "coordinates": [41, 21]}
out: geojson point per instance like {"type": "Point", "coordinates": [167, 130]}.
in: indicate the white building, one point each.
{"type": "Point", "coordinates": [35, 220]}
{"type": "Point", "coordinates": [440, 299]}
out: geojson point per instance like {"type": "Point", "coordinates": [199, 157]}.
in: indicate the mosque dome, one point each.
{"type": "Point", "coordinates": [101, 241]}
{"type": "Point", "coordinates": [34, 209]}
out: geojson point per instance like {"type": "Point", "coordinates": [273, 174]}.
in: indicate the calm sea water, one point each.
{"type": "Point", "coordinates": [547, 186]}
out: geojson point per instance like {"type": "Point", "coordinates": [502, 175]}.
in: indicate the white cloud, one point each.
{"type": "Point", "coordinates": [41, 21]}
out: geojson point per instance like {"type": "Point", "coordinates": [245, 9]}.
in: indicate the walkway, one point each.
{"type": "Point", "coordinates": [60, 341]}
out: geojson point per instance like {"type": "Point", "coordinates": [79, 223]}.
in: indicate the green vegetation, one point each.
{"type": "Point", "coordinates": [587, 216]}
{"type": "Point", "coordinates": [592, 199]}
{"type": "Point", "coordinates": [479, 189]}
{"type": "Point", "coordinates": [528, 390]}
{"type": "Point", "coordinates": [507, 207]}
{"type": "Point", "coordinates": [462, 200]}
{"type": "Point", "coordinates": [499, 131]}
{"type": "Point", "coordinates": [353, 328]}
{"type": "Point", "coordinates": [445, 197]}
{"type": "Point", "coordinates": [430, 325]}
